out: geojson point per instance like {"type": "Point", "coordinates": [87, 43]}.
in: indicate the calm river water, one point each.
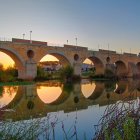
{"type": "Point", "coordinates": [63, 111]}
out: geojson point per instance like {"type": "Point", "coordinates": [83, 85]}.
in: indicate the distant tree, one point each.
{"type": "Point", "coordinates": [67, 73]}
{"type": "Point", "coordinates": [1, 67]}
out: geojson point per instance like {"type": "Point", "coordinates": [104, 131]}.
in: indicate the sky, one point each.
{"type": "Point", "coordinates": [95, 23]}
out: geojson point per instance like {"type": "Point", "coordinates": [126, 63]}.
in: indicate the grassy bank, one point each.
{"type": "Point", "coordinates": [16, 83]}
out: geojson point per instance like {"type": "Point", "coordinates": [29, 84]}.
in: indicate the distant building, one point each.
{"type": "Point", "coordinates": [87, 67]}
{"type": "Point", "coordinates": [50, 65]}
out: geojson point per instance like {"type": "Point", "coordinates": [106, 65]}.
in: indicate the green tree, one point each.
{"type": "Point", "coordinates": [67, 73]}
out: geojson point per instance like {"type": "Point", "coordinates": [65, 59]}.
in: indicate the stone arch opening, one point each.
{"type": "Point", "coordinates": [53, 62]}
{"type": "Point", "coordinates": [95, 64]}
{"type": "Point", "coordinates": [18, 60]}
{"type": "Point", "coordinates": [120, 69]}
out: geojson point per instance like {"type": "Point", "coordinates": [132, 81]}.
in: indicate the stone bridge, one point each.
{"type": "Point", "coordinates": [27, 54]}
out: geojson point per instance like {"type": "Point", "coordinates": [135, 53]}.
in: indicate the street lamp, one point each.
{"type": "Point", "coordinates": [30, 36]}
{"type": "Point", "coordinates": [23, 35]}
{"type": "Point", "coordinates": [76, 40]}
{"type": "Point", "coordinates": [108, 49]}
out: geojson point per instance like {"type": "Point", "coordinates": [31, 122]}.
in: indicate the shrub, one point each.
{"type": "Point", "coordinates": [67, 73]}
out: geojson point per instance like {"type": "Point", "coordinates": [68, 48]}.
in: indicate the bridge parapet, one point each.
{"type": "Point", "coordinates": [107, 51]}
{"type": "Point", "coordinates": [24, 41]}
{"type": "Point", "coordinates": [130, 54]}
{"type": "Point", "coordinates": [75, 48]}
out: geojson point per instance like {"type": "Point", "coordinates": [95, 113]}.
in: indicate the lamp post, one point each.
{"type": "Point", "coordinates": [67, 41]}
{"type": "Point", "coordinates": [23, 35]}
{"type": "Point", "coordinates": [108, 49]}
{"type": "Point", "coordinates": [30, 36]}
{"type": "Point", "coordinates": [76, 40]}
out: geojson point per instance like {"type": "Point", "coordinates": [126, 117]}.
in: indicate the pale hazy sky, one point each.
{"type": "Point", "coordinates": [93, 22]}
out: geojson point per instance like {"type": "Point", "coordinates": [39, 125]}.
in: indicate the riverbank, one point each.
{"type": "Point", "coordinates": [16, 83]}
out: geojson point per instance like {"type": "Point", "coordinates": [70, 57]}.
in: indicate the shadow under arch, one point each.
{"type": "Point", "coordinates": [120, 87]}
{"type": "Point", "coordinates": [62, 59]}
{"type": "Point", "coordinates": [121, 69]}
{"type": "Point", "coordinates": [19, 61]}
{"type": "Point", "coordinates": [138, 69]}
{"type": "Point", "coordinates": [99, 67]}
{"type": "Point", "coordinates": [97, 91]}
{"type": "Point", "coordinates": [60, 98]}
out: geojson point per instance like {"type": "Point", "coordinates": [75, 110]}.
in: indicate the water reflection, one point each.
{"type": "Point", "coordinates": [7, 94]}
{"type": "Point", "coordinates": [85, 101]}
{"type": "Point", "coordinates": [110, 86]}
{"type": "Point", "coordinates": [121, 87]}
{"type": "Point", "coordinates": [42, 98]}
{"type": "Point", "coordinates": [87, 88]}
{"type": "Point", "coordinates": [49, 94]}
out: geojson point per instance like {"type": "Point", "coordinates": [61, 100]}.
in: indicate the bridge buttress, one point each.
{"type": "Point", "coordinates": [77, 68]}
{"type": "Point", "coordinates": [29, 72]}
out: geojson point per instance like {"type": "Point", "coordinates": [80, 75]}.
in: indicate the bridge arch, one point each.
{"type": "Point", "coordinates": [62, 59]}
{"type": "Point", "coordinates": [19, 61]}
{"type": "Point", "coordinates": [120, 68]}
{"type": "Point", "coordinates": [98, 64]}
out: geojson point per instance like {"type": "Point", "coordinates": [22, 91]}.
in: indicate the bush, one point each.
{"type": "Point", "coordinates": [8, 75]}
{"type": "Point", "coordinates": [42, 75]}
{"type": "Point", "coordinates": [67, 73]}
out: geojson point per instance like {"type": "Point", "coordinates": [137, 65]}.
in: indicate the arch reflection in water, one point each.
{"type": "Point", "coordinates": [49, 93]}
{"type": "Point", "coordinates": [87, 88]}
{"type": "Point", "coordinates": [92, 90]}
{"type": "Point", "coordinates": [7, 94]}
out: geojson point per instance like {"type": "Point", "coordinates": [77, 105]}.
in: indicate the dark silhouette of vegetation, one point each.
{"type": "Point", "coordinates": [9, 74]}
{"type": "Point", "coordinates": [68, 87]}
{"type": "Point", "coordinates": [67, 73]}
{"type": "Point", "coordinates": [89, 73]}
{"type": "Point", "coordinates": [42, 75]}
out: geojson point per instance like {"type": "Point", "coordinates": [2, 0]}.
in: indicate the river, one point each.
{"type": "Point", "coordinates": [62, 111]}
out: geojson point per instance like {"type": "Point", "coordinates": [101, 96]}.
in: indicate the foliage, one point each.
{"type": "Point", "coordinates": [35, 129]}
{"type": "Point", "coordinates": [68, 87]}
{"type": "Point", "coordinates": [8, 75]}
{"type": "Point", "coordinates": [119, 122]}
{"type": "Point", "coordinates": [89, 73]}
{"type": "Point", "coordinates": [42, 75]}
{"type": "Point", "coordinates": [67, 73]}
